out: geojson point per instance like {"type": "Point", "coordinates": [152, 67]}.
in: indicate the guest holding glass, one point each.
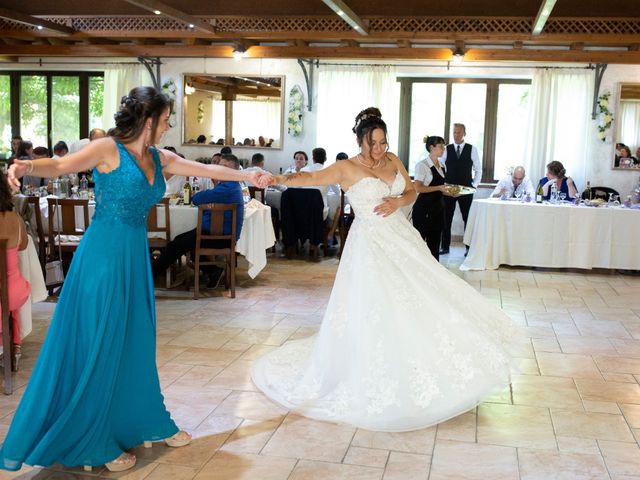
{"type": "Point", "coordinates": [556, 173]}
{"type": "Point", "coordinates": [428, 210]}
{"type": "Point", "coordinates": [516, 185]}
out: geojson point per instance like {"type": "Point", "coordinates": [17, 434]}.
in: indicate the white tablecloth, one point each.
{"type": "Point", "coordinates": [256, 237]}
{"type": "Point", "coordinates": [544, 235]}
{"type": "Point", "coordinates": [32, 273]}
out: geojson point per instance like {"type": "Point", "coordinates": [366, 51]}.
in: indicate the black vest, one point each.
{"type": "Point", "coordinates": [459, 169]}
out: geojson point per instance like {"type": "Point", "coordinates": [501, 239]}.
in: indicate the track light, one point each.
{"type": "Point", "coordinates": [458, 56]}
{"type": "Point", "coordinates": [239, 53]}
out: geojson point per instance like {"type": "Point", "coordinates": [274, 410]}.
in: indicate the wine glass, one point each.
{"type": "Point", "coordinates": [562, 196]}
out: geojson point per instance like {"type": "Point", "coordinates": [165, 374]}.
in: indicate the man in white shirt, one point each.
{"type": "Point", "coordinates": [319, 156]}
{"type": "Point", "coordinates": [513, 185]}
{"type": "Point", "coordinates": [463, 167]}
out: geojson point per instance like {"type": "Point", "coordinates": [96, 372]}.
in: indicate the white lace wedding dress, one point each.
{"type": "Point", "coordinates": [404, 343]}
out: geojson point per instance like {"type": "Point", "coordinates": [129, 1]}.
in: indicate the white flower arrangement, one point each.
{"type": "Point", "coordinates": [200, 116]}
{"type": "Point", "coordinates": [606, 119]}
{"type": "Point", "coordinates": [294, 119]}
{"type": "Point", "coordinates": [169, 89]}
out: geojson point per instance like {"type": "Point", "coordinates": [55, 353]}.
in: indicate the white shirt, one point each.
{"type": "Point", "coordinates": [475, 158]}
{"type": "Point", "coordinates": [422, 171]}
{"type": "Point", "coordinates": [526, 187]}
{"type": "Point", "coordinates": [324, 189]}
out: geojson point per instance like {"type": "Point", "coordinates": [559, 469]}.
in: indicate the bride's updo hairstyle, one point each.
{"type": "Point", "coordinates": [135, 108]}
{"type": "Point", "coordinates": [366, 122]}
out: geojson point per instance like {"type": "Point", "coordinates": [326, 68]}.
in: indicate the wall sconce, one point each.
{"type": "Point", "coordinates": [458, 56]}
{"type": "Point", "coordinates": [189, 89]}
{"type": "Point", "coordinates": [239, 53]}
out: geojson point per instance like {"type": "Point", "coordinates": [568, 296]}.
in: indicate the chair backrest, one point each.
{"type": "Point", "coordinates": [301, 211]}
{"type": "Point", "coordinates": [33, 204]}
{"type": "Point", "coordinates": [600, 192]}
{"type": "Point", "coordinates": [152, 218]}
{"type": "Point", "coordinates": [253, 191]}
{"type": "Point", "coordinates": [64, 222]}
{"type": "Point", "coordinates": [216, 232]}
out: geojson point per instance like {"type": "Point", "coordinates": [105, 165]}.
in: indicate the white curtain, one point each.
{"type": "Point", "coordinates": [629, 121]}
{"type": "Point", "coordinates": [559, 123]}
{"type": "Point", "coordinates": [118, 82]}
{"type": "Point", "coordinates": [255, 118]}
{"type": "Point", "coordinates": [343, 91]}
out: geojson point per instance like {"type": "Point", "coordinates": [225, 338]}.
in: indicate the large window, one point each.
{"type": "Point", "coordinates": [46, 107]}
{"type": "Point", "coordinates": [494, 112]}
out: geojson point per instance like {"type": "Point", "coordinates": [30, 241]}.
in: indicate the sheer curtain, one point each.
{"type": "Point", "coordinates": [559, 123]}
{"type": "Point", "coordinates": [629, 124]}
{"type": "Point", "coordinates": [343, 91]}
{"type": "Point", "coordinates": [254, 118]}
{"type": "Point", "coordinates": [117, 83]}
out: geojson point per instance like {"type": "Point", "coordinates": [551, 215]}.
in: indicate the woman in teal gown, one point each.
{"type": "Point", "coordinates": [94, 391]}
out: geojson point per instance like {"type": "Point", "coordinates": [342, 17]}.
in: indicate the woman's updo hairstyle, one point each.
{"type": "Point", "coordinates": [135, 108]}
{"type": "Point", "coordinates": [366, 122]}
{"type": "Point", "coordinates": [432, 141]}
{"type": "Point", "coordinates": [556, 168]}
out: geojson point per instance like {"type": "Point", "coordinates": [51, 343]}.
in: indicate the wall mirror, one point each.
{"type": "Point", "coordinates": [235, 110]}
{"type": "Point", "coordinates": [627, 143]}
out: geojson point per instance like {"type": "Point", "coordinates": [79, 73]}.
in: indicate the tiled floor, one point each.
{"type": "Point", "coordinates": [573, 411]}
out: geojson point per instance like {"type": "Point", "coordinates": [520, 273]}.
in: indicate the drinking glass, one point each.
{"type": "Point", "coordinates": [562, 196]}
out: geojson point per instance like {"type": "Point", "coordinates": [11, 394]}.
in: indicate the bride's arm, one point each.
{"type": "Point", "coordinates": [326, 176]}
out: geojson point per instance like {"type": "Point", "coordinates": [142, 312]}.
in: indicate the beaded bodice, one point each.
{"type": "Point", "coordinates": [124, 195]}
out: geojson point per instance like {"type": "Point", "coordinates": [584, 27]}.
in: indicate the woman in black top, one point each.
{"type": "Point", "coordinates": [428, 211]}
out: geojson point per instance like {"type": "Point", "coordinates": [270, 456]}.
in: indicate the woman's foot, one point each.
{"type": "Point", "coordinates": [123, 462]}
{"type": "Point", "coordinates": [180, 439]}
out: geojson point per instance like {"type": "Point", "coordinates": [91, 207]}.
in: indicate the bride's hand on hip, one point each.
{"type": "Point", "coordinates": [387, 207]}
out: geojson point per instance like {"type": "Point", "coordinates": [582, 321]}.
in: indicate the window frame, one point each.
{"type": "Point", "coordinates": [490, 116]}
{"type": "Point", "coordinates": [15, 90]}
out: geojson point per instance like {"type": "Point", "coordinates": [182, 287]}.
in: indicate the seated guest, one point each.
{"type": "Point", "coordinates": [226, 151]}
{"type": "Point", "coordinates": [257, 163]}
{"type": "Point", "coordinates": [96, 133]}
{"type": "Point", "coordinates": [319, 156]}
{"type": "Point", "coordinates": [37, 182]}
{"type": "Point", "coordinates": [60, 149]}
{"type": "Point", "coordinates": [514, 184]}
{"type": "Point", "coordinates": [556, 173]}
{"type": "Point", "coordinates": [342, 156]}
{"type": "Point", "coordinates": [12, 226]}
{"type": "Point", "coordinates": [201, 139]}
{"type": "Point", "coordinates": [226, 192]}
{"type": "Point", "coordinates": [626, 159]}
{"type": "Point", "coordinates": [300, 160]}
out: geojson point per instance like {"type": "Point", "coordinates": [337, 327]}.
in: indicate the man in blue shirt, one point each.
{"type": "Point", "coordinates": [226, 192]}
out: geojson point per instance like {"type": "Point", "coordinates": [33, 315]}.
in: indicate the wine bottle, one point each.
{"type": "Point", "coordinates": [587, 191]}
{"type": "Point", "coordinates": [186, 192]}
{"type": "Point", "coordinates": [539, 194]}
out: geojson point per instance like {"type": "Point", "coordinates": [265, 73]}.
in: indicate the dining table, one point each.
{"type": "Point", "coordinates": [551, 235]}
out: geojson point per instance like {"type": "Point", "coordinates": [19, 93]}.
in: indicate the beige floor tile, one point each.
{"type": "Point", "coordinates": [545, 344]}
{"type": "Point", "coordinates": [26, 473]}
{"type": "Point", "coordinates": [549, 318]}
{"type": "Point", "coordinates": [236, 376]}
{"type": "Point", "coordinates": [565, 328]}
{"type": "Point", "coordinates": [461, 428]}
{"type": "Point", "coordinates": [227, 466]}
{"type": "Point", "coordinates": [621, 458]}
{"type": "Point", "coordinates": [194, 455]}
{"type": "Point", "coordinates": [407, 466]}
{"type": "Point", "coordinates": [189, 406]}
{"type": "Point", "coordinates": [166, 353]}
{"type": "Point", "coordinates": [586, 345]}
{"type": "Point", "coordinates": [601, 407]}
{"type": "Point", "coordinates": [171, 371]}
{"type": "Point", "coordinates": [516, 426]}
{"type": "Point", "coordinates": [250, 437]}
{"type": "Point", "coordinates": [602, 328]}
{"type": "Point", "coordinates": [368, 457]}
{"type": "Point", "coordinates": [198, 376]}
{"type": "Point", "coordinates": [471, 461]}
{"type": "Point", "coordinates": [618, 364]}
{"type": "Point", "coordinates": [252, 406]}
{"type": "Point", "coordinates": [526, 366]}
{"type": "Point", "coordinates": [567, 365]}
{"type": "Point", "coordinates": [599, 426]}
{"type": "Point", "coordinates": [577, 445]}
{"type": "Point", "coordinates": [257, 320]}
{"type": "Point", "coordinates": [631, 414]}
{"type": "Point", "coordinates": [300, 437]}
{"type": "Point", "coordinates": [314, 470]}
{"type": "Point", "coordinates": [626, 348]}
{"type": "Point", "coordinates": [543, 465]}
{"type": "Point", "coordinates": [620, 377]}
{"type": "Point", "coordinates": [544, 391]}
{"type": "Point", "coordinates": [275, 336]}
{"type": "Point", "coordinates": [600, 390]}
{"type": "Point", "coordinates": [174, 472]}
{"type": "Point", "coordinates": [419, 441]}
{"type": "Point", "coordinates": [205, 336]}
{"type": "Point", "coordinates": [256, 351]}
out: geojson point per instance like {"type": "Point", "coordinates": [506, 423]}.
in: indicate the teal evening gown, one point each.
{"type": "Point", "coordinates": [94, 391]}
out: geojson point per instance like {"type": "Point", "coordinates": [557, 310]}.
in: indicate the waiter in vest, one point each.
{"type": "Point", "coordinates": [463, 167]}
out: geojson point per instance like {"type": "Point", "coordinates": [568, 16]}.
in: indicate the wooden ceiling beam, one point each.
{"type": "Point", "coordinates": [166, 10]}
{"type": "Point", "coordinates": [30, 20]}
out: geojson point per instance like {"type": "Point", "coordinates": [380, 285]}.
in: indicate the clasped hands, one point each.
{"type": "Point", "coordinates": [261, 179]}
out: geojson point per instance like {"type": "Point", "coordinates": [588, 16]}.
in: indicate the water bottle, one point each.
{"type": "Point", "coordinates": [56, 187]}
{"type": "Point", "coordinates": [84, 187]}
{"type": "Point", "coordinates": [553, 198]}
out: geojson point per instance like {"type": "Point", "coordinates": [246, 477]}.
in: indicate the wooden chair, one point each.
{"type": "Point", "coordinates": [344, 223]}
{"type": "Point", "coordinates": [62, 221]}
{"type": "Point", "coordinates": [330, 230]}
{"type": "Point", "coordinates": [205, 255]}
{"type": "Point", "coordinates": [600, 192]}
{"type": "Point", "coordinates": [7, 343]}
{"type": "Point", "coordinates": [253, 191]}
{"type": "Point", "coordinates": [34, 203]}
{"type": "Point", "coordinates": [157, 244]}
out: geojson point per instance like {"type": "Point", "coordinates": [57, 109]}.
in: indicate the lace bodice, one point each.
{"type": "Point", "coordinates": [368, 192]}
{"type": "Point", "coordinates": [124, 194]}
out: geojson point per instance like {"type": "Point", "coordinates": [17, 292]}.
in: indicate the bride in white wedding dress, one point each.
{"type": "Point", "coordinates": [404, 343]}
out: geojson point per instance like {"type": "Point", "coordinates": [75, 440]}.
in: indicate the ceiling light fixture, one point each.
{"type": "Point", "coordinates": [157, 12]}
{"type": "Point", "coordinates": [189, 89]}
{"type": "Point", "coordinates": [239, 53]}
{"type": "Point", "coordinates": [458, 56]}
{"type": "Point", "coordinates": [344, 12]}
{"type": "Point", "coordinates": [543, 16]}
{"type": "Point", "coordinates": [39, 27]}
